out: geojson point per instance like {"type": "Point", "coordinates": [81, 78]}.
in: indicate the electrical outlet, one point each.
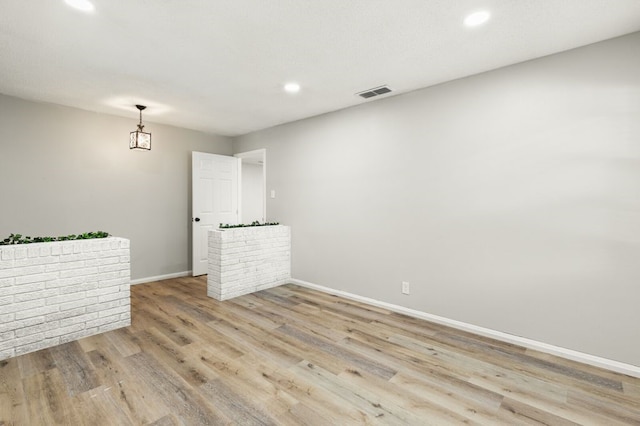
{"type": "Point", "coordinates": [405, 287]}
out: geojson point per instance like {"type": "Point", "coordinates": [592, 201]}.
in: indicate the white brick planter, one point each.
{"type": "Point", "coordinates": [244, 260]}
{"type": "Point", "coordinates": [53, 293]}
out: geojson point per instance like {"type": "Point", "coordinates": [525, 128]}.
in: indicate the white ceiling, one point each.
{"type": "Point", "coordinates": [219, 65]}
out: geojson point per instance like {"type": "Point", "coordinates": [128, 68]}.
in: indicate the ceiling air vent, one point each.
{"type": "Point", "coordinates": [376, 91]}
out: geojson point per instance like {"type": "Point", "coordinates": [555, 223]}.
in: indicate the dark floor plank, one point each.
{"type": "Point", "coordinates": [181, 399]}
{"type": "Point", "coordinates": [75, 368]}
{"type": "Point", "coordinates": [37, 362]}
{"type": "Point", "coordinates": [239, 409]}
{"type": "Point", "coordinates": [337, 351]}
{"type": "Point", "coordinates": [48, 400]}
{"type": "Point", "coordinates": [115, 376]}
{"type": "Point", "coordinates": [514, 412]}
{"type": "Point", "coordinates": [13, 406]}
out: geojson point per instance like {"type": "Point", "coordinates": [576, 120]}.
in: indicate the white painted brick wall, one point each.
{"type": "Point", "coordinates": [245, 260]}
{"type": "Point", "coordinates": [53, 293]}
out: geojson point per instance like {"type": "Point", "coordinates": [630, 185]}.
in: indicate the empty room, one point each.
{"type": "Point", "coordinates": [319, 212]}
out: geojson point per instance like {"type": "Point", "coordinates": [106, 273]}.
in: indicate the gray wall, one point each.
{"type": "Point", "coordinates": [65, 170]}
{"type": "Point", "coordinates": [509, 200]}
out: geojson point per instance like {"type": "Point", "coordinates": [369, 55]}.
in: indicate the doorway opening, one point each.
{"type": "Point", "coordinates": [253, 185]}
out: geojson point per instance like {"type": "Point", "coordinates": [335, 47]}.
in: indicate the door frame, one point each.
{"type": "Point", "coordinates": [253, 154]}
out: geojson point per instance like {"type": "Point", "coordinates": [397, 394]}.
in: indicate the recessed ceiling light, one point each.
{"type": "Point", "coordinates": [292, 87]}
{"type": "Point", "coordinates": [83, 5]}
{"type": "Point", "coordinates": [477, 18]}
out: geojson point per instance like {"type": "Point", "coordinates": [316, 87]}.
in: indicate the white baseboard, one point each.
{"type": "Point", "coordinates": [618, 367]}
{"type": "Point", "coordinates": [161, 277]}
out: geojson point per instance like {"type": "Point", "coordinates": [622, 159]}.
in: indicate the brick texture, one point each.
{"type": "Point", "coordinates": [53, 293]}
{"type": "Point", "coordinates": [245, 260]}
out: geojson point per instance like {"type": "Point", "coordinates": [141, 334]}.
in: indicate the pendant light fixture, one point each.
{"type": "Point", "coordinates": [140, 139]}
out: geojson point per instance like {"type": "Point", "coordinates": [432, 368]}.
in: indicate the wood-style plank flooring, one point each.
{"type": "Point", "coordinates": [294, 356]}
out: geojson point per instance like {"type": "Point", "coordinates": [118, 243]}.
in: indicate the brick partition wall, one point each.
{"type": "Point", "coordinates": [53, 293]}
{"type": "Point", "coordinates": [244, 260]}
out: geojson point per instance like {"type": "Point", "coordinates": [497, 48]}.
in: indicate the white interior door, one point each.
{"type": "Point", "coordinates": [215, 200]}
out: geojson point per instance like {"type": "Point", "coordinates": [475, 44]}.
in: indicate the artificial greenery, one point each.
{"type": "Point", "coordinates": [243, 225]}
{"type": "Point", "coordinates": [19, 239]}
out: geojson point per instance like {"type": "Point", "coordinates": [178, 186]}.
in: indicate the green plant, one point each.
{"type": "Point", "coordinates": [242, 225]}
{"type": "Point", "coordinates": [18, 239]}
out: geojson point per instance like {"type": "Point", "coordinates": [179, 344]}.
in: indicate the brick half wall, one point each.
{"type": "Point", "coordinates": [53, 293]}
{"type": "Point", "coordinates": [245, 260]}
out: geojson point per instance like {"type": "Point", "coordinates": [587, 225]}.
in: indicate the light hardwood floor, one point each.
{"type": "Point", "coordinates": [294, 356]}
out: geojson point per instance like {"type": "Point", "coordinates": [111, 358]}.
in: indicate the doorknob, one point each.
{"type": "Point", "coordinates": [197, 219]}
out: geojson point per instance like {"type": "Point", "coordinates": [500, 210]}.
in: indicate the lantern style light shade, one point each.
{"type": "Point", "coordinates": [139, 139]}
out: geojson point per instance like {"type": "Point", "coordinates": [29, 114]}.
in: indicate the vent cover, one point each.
{"type": "Point", "coordinates": [376, 91]}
